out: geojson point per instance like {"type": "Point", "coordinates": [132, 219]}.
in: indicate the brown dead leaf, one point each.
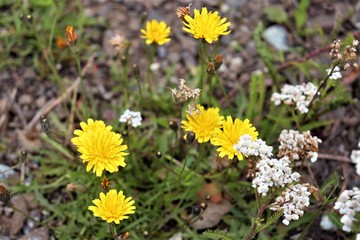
{"type": "Point", "coordinates": [212, 215]}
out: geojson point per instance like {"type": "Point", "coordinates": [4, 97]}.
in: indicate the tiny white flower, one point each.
{"type": "Point", "coordinates": [348, 203]}
{"type": "Point", "coordinates": [131, 118]}
{"type": "Point", "coordinates": [292, 201]}
{"type": "Point", "coordinates": [298, 96]}
{"type": "Point", "coordinates": [335, 74]}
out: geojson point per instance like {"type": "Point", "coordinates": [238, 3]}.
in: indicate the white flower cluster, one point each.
{"type": "Point", "coordinates": [348, 204]}
{"type": "Point", "coordinates": [247, 147]}
{"type": "Point", "coordinates": [336, 74]}
{"type": "Point", "coordinates": [293, 201]}
{"type": "Point", "coordinates": [273, 173]}
{"type": "Point", "coordinates": [355, 157]}
{"type": "Point", "coordinates": [298, 96]}
{"type": "Point", "coordinates": [131, 118]}
{"type": "Point", "coordinates": [298, 146]}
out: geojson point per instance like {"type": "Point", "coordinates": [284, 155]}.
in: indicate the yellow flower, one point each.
{"type": "Point", "coordinates": [100, 147]}
{"type": "Point", "coordinates": [156, 32]}
{"type": "Point", "coordinates": [230, 135]}
{"type": "Point", "coordinates": [203, 123]}
{"type": "Point", "coordinates": [113, 207]}
{"type": "Point", "coordinates": [206, 25]}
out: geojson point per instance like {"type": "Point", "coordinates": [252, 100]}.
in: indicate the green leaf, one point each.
{"type": "Point", "coordinates": [217, 234]}
{"type": "Point", "coordinates": [301, 14]}
{"type": "Point", "coordinates": [316, 124]}
{"type": "Point", "coordinates": [256, 95]}
{"type": "Point", "coordinates": [42, 3]}
{"type": "Point", "coordinates": [276, 14]}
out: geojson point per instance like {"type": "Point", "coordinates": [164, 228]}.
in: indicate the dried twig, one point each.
{"type": "Point", "coordinates": [334, 157]}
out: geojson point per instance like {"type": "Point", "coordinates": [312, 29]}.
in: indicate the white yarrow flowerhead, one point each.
{"type": "Point", "coordinates": [293, 201]}
{"type": "Point", "coordinates": [248, 147]}
{"type": "Point", "coordinates": [131, 118]}
{"type": "Point", "coordinates": [355, 157]}
{"type": "Point", "coordinates": [336, 74]}
{"type": "Point", "coordinates": [298, 146]}
{"type": "Point", "coordinates": [273, 173]}
{"type": "Point", "coordinates": [298, 96]}
{"type": "Point", "coordinates": [348, 204]}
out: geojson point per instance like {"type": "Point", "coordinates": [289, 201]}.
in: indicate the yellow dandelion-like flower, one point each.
{"type": "Point", "coordinates": [113, 207]}
{"type": "Point", "coordinates": [206, 25]}
{"type": "Point", "coordinates": [230, 135]}
{"type": "Point", "coordinates": [203, 123]}
{"type": "Point", "coordinates": [156, 32]}
{"type": "Point", "coordinates": [100, 147]}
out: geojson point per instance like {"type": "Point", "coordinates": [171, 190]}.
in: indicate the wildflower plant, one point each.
{"type": "Point", "coordinates": [251, 140]}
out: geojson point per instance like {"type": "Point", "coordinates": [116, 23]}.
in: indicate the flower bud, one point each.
{"type": "Point", "coordinates": [105, 183]}
{"type": "Point", "coordinates": [190, 137]}
{"type": "Point", "coordinates": [196, 210]}
{"type": "Point", "coordinates": [158, 154]}
{"type": "Point", "coordinates": [45, 126]}
{"type": "Point", "coordinates": [218, 60]}
{"type": "Point", "coordinates": [173, 125]}
{"type": "Point", "coordinates": [203, 205]}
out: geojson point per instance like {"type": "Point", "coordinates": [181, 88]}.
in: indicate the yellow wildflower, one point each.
{"type": "Point", "coordinates": [100, 147]}
{"type": "Point", "coordinates": [230, 135]}
{"type": "Point", "coordinates": [203, 123]}
{"type": "Point", "coordinates": [113, 207]}
{"type": "Point", "coordinates": [206, 25]}
{"type": "Point", "coordinates": [156, 32]}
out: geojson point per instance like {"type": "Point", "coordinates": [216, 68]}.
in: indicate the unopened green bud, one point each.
{"type": "Point", "coordinates": [45, 126]}
{"type": "Point", "coordinates": [190, 137]}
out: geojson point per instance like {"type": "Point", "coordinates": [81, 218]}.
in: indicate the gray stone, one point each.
{"type": "Point", "coordinates": [276, 36]}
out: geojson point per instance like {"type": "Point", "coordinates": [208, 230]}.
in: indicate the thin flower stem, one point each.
{"type": "Point", "coordinates": [322, 84]}
{"type": "Point", "coordinates": [126, 77]}
{"type": "Point", "coordinates": [150, 74]}
{"type": "Point", "coordinates": [222, 88]}
{"type": "Point", "coordinates": [203, 62]}
{"type": "Point", "coordinates": [296, 119]}
{"type": "Point", "coordinates": [82, 85]}
{"type": "Point", "coordinates": [262, 208]}
{"type": "Point", "coordinates": [184, 164]}
{"type": "Point", "coordinates": [137, 79]}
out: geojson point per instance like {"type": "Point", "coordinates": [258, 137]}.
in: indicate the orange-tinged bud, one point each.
{"type": "Point", "coordinates": [61, 42]}
{"type": "Point", "coordinates": [71, 35]}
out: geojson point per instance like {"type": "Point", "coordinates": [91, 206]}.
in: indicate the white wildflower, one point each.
{"type": "Point", "coordinates": [298, 146]}
{"type": "Point", "coordinates": [293, 201]}
{"type": "Point", "coordinates": [273, 173]}
{"type": "Point", "coordinates": [336, 74]}
{"type": "Point", "coordinates": [249, 147]}
{"type": "Point", "coordinates": [348, 204]}
{"type": "Point", "coordinates": [131, 118]}
{"type": "Point", "coordinates": [355, 157]}
{"type": "Point", "coordinates": [298, 96]}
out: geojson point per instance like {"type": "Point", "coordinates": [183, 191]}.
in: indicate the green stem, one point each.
{"type": "Point", "coordinates": [323, 83]}
{"type": "Point", "coordinates": [222, 88]}
{"type": "Point", "coordinates": [203, 65]}
{"type": "Point", "coordinates": [150, 74]}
